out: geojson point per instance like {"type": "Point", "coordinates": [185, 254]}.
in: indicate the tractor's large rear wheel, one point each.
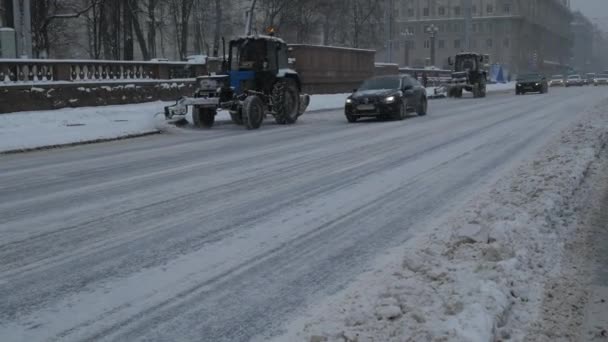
{"type": "Point", "coordinates": [203, 117]}
{"type": "Point", "coordinates": [253, 112]}
{"type": "Point", "coordinates": [285, 102]}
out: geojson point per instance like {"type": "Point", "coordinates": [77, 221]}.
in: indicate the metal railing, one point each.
{"type": "Point", "coordinates": [19, 71]}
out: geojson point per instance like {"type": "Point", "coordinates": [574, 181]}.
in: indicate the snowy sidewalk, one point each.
{"type": "Point", "coordinates": [31, 130]}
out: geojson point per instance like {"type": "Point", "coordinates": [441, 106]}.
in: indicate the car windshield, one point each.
{"type": "Point", "coordinates": [528, 77]}
{"type": "Point", "coordinates": [574, 77]}
{"type": "Point", "coordinates": [603, 76]}
{"type": "Point", "coordinates": [381, 83]}
{"type": "Point", "coordinates": [557, 77]}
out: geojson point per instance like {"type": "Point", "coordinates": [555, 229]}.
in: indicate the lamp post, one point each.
{"type": "Point", "coordinates": [407, 34]}
{"type": "Point", "coordinates": [432, 30]}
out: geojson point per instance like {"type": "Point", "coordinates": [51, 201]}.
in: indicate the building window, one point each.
{"type": "Point", "coordinates": [441, 44]}
{"type": "Point", "coordinates": [489, 26]}
{"type": "Point", "coordinates": [474, 27]}
{"type": "Point", "coordinates": [490, 9]}
{"type": "Point", "coordinates": [489, 43]}
{"type": "Point", "coordinates": [506, 42]}
{"type": "Point", "coordinates": [457, 10]}
{"type": "Point", "coordinates": [441, 10]}
{"type": "Point", "coordinates": [410, 12]}
{"type": "Point", "coordinates": [474, 9]}
{"type": "Point", "coordinates": [441, 27]}
{"type": "Point", "coordinates": [425, 11]}
{"type": "Point", "coordinates": [457, 44]}
{"type": "Point", "coordinates": [427, 44]}
{"type": "Point", "coordinates": [474, 44]}
{"type": "Point", "coordinates": [507, 8]}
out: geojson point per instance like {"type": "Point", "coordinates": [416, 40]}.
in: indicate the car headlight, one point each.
{"type": "Point", "coordinates": [389, 99]}
{"type": "Point", "coordinates": [537, 84]}
{"type": "Point", "coordinates": [349, 101]}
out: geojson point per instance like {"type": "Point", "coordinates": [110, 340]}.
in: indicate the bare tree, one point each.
{"type": "Point", "coordinates": [218, 27]}
{"type": "Point", "coordinates": [46, 18]}
{"type": "Point", "coordinates": [181, 11]}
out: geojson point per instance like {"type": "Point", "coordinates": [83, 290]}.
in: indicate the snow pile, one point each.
{"type": "Point", "coordinates": [28, 130]}
{"type": "Point", "coordinates": [478, 276]}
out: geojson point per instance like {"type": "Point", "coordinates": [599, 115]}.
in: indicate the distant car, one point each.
{"type": "Point", "coordinates": [387, 97]}
{"type": "Point", "coordinates": [557, 81]}
{"type": "Point", "coordinates": [589, 77]}
{"type": "Point", "coordinates": [574, 80]}
{"type": "Point", "coordinates": [601, 79]}
{"type": "Point", "coordinates": [531, 83]}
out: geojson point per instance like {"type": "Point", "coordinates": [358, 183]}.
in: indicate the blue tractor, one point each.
{"type": "Point", "coordinates": [256, 81]}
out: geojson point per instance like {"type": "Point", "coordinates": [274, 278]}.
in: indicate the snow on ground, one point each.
{"type": "Point", "coordinates": [30, 130]}
{"type": "Point", "coordinates": [478, 276]}
{"type": "Point", "coordinates": [27, 130]}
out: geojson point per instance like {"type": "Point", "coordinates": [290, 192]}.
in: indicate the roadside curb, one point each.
{"type": "Point", "coordinates": [84, 142]}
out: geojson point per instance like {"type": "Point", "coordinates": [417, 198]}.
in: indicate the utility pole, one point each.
{"type": "Point", "coordinates": [468, 23]}
{"type": "Point", "coordinates": [248, 25]}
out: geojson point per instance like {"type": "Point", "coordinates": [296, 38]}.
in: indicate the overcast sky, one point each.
{"type": "Point", "coordinates": [594, 9]}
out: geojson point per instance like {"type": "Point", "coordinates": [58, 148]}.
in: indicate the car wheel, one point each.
{"type": "Point", "coordinates": [401, 114]}
{"type": "Point", "coordinates": [350, 118]}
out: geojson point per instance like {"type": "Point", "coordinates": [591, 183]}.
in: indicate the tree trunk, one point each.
{"type": "Point", "coordinates": [133, 10]}
{"type": "Point", "coordinates": [152, 28]}
{"type": "Point", "coordinates": [127, 33]}
{"type": "Point", "coordinates": [218, 27]}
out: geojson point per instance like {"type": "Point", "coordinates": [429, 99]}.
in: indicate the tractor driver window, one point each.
{"type": "Point", "coordinates": [235, 58]}
{"type": "Point", "coordinates": [251, 55]}
{"type": "Point", "coordinates": [466, 64]}
{"type": "Point", "coordinates": [271, 57]}
{"type": "Point", "coordinates": [283, 60]}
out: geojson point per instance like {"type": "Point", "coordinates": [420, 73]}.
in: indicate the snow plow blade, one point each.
{"type": "Point", "coordinates": [177, 112]}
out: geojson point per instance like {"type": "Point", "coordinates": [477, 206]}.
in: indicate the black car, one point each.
{"type": "Point", "coordinates": [387, 97]}
{"type": "Point", "coordinates": [531, 83]}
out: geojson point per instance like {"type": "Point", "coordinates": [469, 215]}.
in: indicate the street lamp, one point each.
{"type": "Point", "coordinates": [407, 34]}
{"type": "Point", "coordinates": [432, 30]}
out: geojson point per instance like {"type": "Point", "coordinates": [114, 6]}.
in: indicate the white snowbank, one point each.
{"type": "Point", "coordinates": [478, 276]}
{"type": "Point", "coordinates": [27, 130]}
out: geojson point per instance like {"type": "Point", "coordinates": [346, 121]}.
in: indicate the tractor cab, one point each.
{"type": "Point", "coordinates": [255, 61]}
{"type": "Point", "coordinates": [467, 62]}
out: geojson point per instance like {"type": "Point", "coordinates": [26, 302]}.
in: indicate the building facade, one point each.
{"type": "Point", "coordinates": [524, 35]}
{"type": "Point", "coordinates": [583, 32]}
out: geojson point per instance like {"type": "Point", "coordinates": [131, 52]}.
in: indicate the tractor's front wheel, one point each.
{"type": "Point", "coordinates": [285, 102]}
{"type": "Point", "coordinates": [253, 112]}
{"type": "Point", "coordinates": [203, 117]}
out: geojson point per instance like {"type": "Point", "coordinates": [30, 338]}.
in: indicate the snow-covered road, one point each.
{"type": "Point", "coordinates": [223, 235]}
